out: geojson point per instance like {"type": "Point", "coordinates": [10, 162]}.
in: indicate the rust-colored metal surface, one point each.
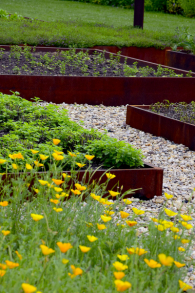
{"type": "Point", "coordinates": [180, 60]}
{"type": "Point", "coordinates": [148, 54]}
{"type": "Point", "coordinates": [180, 132]}
{"type": "Point", "coordinates": [149, 180]}
{"type": "Point", "coordinates": [109, 91]}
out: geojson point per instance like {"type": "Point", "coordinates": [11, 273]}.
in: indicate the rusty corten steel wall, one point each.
{"type": "Point", "coordinates": [148, 179]}
{"type": "Point", "coordinates": [109, 91]}
{"type": "Point", "coordinates": [180, 60]}
{"type": "Point", "coordinates": [148, 54]}
{"type": "Point", "coordinates": [182, 133]}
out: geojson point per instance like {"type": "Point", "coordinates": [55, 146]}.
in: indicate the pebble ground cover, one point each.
{"type": "Point", "coordinates": [22, 61]}
{"type": "Point", "coordinates": [53, 241]}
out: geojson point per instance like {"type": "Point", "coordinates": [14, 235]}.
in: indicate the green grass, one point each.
{"type": "Point", "coordinates": [79, 23]}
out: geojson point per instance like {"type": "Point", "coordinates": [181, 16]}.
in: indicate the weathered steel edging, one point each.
{"type": "Point", "coordinates": [180, 132]}
{"type": "Point", "coordinates": [149, 180]}
{"type": "Point", "coordinates": [109, 91]}
{"type": "Point", "coordinates": [180, 60]}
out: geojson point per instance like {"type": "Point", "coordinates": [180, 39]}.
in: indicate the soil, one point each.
{"type": "Point", "coordinates": [57, 64]}
{"type": "Point", "coordinates": [179, 111]}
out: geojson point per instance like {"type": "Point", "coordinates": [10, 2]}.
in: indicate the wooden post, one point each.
{"type": "Point", "coordinates": [139, 13]}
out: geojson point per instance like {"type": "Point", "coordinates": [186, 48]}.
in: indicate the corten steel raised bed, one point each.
{"type": "Point", "coordinates": [149, 180]}
{"type": "Point", "coordinates": [180, 60]}
{"type": "Point", "coordinates": [141, 118]}
{"type": "Point", "coordinates": [109, 91]}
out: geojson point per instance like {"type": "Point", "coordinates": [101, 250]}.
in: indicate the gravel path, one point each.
{"type": "Point", "coordinates": [177, 161]}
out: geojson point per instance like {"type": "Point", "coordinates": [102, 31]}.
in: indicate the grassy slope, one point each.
{"type": "Point", "coordinates": [158, 27]}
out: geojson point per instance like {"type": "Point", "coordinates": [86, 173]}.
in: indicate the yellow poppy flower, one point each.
{"type": "Point", "coordinates": [110, 176]}
{"type": "Point", "coordinates": [138, 212]}
{"type": "Point", "coordinates": [2, 273]}
{"type": "Point", "coordinates": [186, 217]}
{"type": "Point", "coordinates": [2, 161]}
{"type": "Point", "coordinates": [152, 263]}
{"type": "Point", "coordinates": [123, 257]}
{"type": "Point", "coordinates": [65, 261]}
{"type": "Point", "coordinates": [96, 197]}
{"type": "Point", "coordinates": [154, 220]}
{"type": "Point", "coordinates": [36, 190]}
{"type": "Point", "coordinates": [92, 238]}
{"type": "Point", "coordinates": [15, 167]}
{"type": "Point", "coordinates": [137, 250]}
{"type": "Point", "coordinates": [174, 229]}
{"type": "Point", "coordinates": [46, 250]}
{"type": "Point", "coordinates": [56, 141]}
{"type": "Point", "coordinates": [80, 187]}
{"type": "Point", "coordinates": [58, 189]}
{"type": "Point", "coordinates": [11, 265]}
{"type": "Point", "coordinates": [71, 154]}
{"type": "Point", "coordinates": [110, 213]}
{"type": "Point", "coordinates": [188, 226]}
{"type": "Point", "coordinates": [84, 249]}
{"type": "Point", "coordinates": [165, 260]}
{"type": "Point", "coordinates": [80, 165]}
{"type": "Point", "coordinates": [120, 266]}
{"type": "Point", "coordinates": [166, 224]}
{"type": "Point", "coordinates": [122, 286]}
{"type": "Point", "coordinates": [28, 288]}
{"type": "Point", "coordinates": [57, 181]}
{"type": "Point", "coordinates": [3, 266]}
{"type": "Point", "coordinates": [184, 286]}
{"type": "Point", "coordinates": [58, 210]}
{"type": "Point", "coordinates": [160, 227]}
{"type": "Point", "coordinates": [113, 193]}
{"type": "Point", "coordinates": [101, 226]}
{"type": "Point", "coordinates": [89, 158]}
{"type": "Point", "coordinates": [179, 265]}
{"type": "Point", "coordinates": [43, 157]}
{"type": "Point", "coordinates": [65, 175]}
{"type": "Point", "coordinates": [105, 218]}
{"type": "Point", "coordinates": [176, 237]}
{"type": "Point", "coordinates": [127, 201]}
{"type": "Point", "coordinates": [36, 217]}
{"type": "Point", "coordinates": [34, 152]}
{"type": "Point", "coordinates": [43, 182]}
{"type": "Point", "coordinates": [170, 213]}
{"type": "Point", "coordinates": [181, 249]}
{"type": "Point", "coordinates": [76, 272]}
{"type": "Point", "coordinates": [18, 254]}
{"type": "Point", "coordinates": [57, 152]}
{"type": "Point", "coordinates": [38, 164]}
{"type": "Point", "coordinates": [119, 275]}
{"type": "Point", "coordinates": [124, 215]}
{"type": "Point", "coordinates": [55, 201]}
{"type": "Point", "coordinates": [4, 203]}
{"type": "Point", "coordinates": [76, 192]}
{"type": "Point", "coordinates": [131, 223]}
{"type": "Point", "coordinates": [16, 156]}
{"type": "Point", "coordinates": [28, 167]}
{"type": "Point", "coordinates": [5, 232]}
{"type": "Point", "coordinates": [168, 196]}
{"type": "Point", "coordinates": [184, 241]}
{"type": "Point", "coordinates": [64, 247]}
{"type": "Point", "coordinates": [57, 157]}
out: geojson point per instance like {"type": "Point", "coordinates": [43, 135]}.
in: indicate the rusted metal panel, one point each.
{"type": "Point", "coordinates": [180, 60]}
{"type": "Point", "coordinates": [109, 91]}
{"type": "Point", "coordinates": [180, 132]}
{"type": "Point", "coordinates": [149, 180]}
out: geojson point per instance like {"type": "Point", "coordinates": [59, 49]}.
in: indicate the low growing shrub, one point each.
{"type": "Point", "coordinates": [188, 7]}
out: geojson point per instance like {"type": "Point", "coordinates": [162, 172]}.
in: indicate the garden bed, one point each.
{"type": "Point", "coordinates": [107, 90]}
{"type": "Point", "coordinates": [142, 118]}
{"type": "Point", "coordinates": [182, 60]}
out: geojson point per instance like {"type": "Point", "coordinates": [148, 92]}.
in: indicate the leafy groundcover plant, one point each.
{"type": "Point", "coordinates": [28, 128]}
{"type": "Point", "coordinates": [50, 244]}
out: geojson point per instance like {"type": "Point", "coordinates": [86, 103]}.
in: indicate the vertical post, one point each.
{"type": "Point", "coordinates": [139, 13]}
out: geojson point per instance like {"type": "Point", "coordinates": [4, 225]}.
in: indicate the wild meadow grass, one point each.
{"type": "Point", "coordinates": [85, 25]}
{"type": "Point", "coordinates": [59, 234]}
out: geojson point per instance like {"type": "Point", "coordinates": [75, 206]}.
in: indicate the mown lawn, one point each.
{"type": "Point", "coordinates": [87, 25]}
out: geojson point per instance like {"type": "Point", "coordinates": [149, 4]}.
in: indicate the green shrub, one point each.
{"type": "Point", "coordinates": [25, 125]}
{"type": "Point", "coordinates": [174, 6]}
{"type": "Point", "coordinates": [188, 7]}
